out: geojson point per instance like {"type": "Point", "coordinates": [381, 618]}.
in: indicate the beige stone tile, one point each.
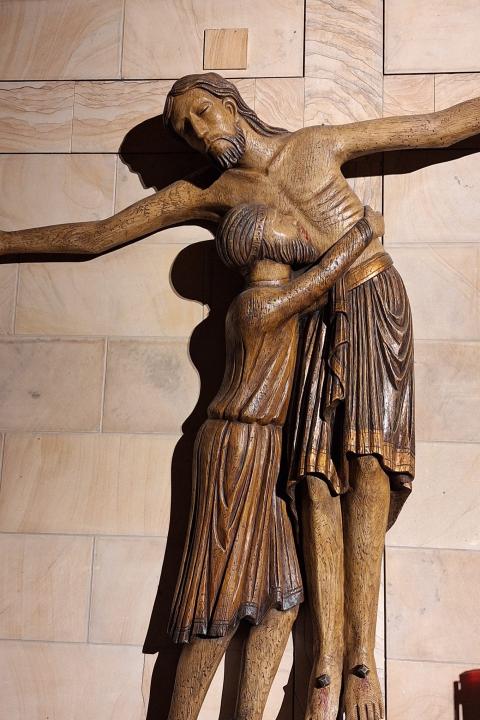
{"type": "Point", "coordinates": [51, 384]}
{"type": "Point", "coordinates": [36, 116]}
{"type": "Point", "coordinates": [45, 587]}
{"type": "Point", "coordinates": [87, 483]}
{"type": "Point", "coordinates": [166, 40]}
{"type": "Point", "coordinates": [225, 48]}
{"type": "Point", "coordinates": [455, 88]}
{"type": "Point", "coordinates": [443, 284]}
{"type": "Point", "coordinates": [55, 40]}
{"type": "Point", "coordinates": [436, 203]}
{"type": "Point", "coordinates": [422, 689]}
{"type": "Point", "coordinates": [105, 111]}
{"type": "Point", "coordinates": [443, 510]}
{"type": "Point", "coordinates": [126, 570]}
{"type": "Point", "coordinates": [151, 386]}
{"type": "Point", "coordinates": [71, 681]}
{"type": "Point", "coordinates": [47, 189]}
{"type": "Point", "coordinates": [447, 391]}
{"type": "Point", "coordinates": [408, 94]}
{"type": "Point", "coordinates": [127, 292]}
{"type": "Point", "coordinates": [129, 189]}
{"type": "Point", "coordinates": [8, 286]}
{"type": "Point", "coordinates": [432, 607]}
{"type": "Point", "coordinates": [279, 101]}
{"type": "Point", "coordinates": [431, 37]}
{"type": "Point", "coordinates": [343, 61]}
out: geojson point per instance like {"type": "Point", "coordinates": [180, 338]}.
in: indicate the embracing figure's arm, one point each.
{"type": "Point", "coordinates": [309, 290]}
{"type": "Point", "coordinates": [180, 202]}
{"type": "Point", "coordinates": [432, 130]}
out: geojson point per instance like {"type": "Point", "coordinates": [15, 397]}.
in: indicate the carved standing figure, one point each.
{"type": "Point", "coordinates": [300, 175]}
{"type": "Point", "coordinates": [240, 558]}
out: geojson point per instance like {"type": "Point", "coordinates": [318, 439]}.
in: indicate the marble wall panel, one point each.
{"type": "Point", "coordinates": [279, 101]}
{"type": "Point", "coordinates": [444, 507]}
{"type": "Point", "coordinates": [47, 189]}
{"type": "Point", "coordinates": [151, 386]}
{"type": "Point", "coordinates": [127, 292]}
{"type": "Point", "coordinates": [87, 483]}
{"type": "Point", "coordinates": [54, 40]}
{"type": "Point", "coordinates": [453, 88]}
{"type": "Point", "coordinates": [432, 608]}
{"type": "Point", "coordinates": [71, 680]}
{"type": "Point", "coordinates": [431, 37]}
{"type": "Point", "coordinates": [45, 587]}
{"type": "Point", "coordinates": [422, 689]}
{"type": "Point", "coordinates": [127, 569]}
{"type": "Point", "coordinates": [408, 94]}
{"type": "Point", "coordinates": [165, 40]}
{"type": "Point", "coordinates": [343, 61]}
{"type": "Point", "coordinates": [443, 284]}
{"type": "Point", "coordinates": [8, 289]}
{"type": "Point", "coordinates": [51, 384]}
{"type": "Point", "coordinates": [432, 203]}
{"type": "Point", "coordinates": [105, 111]}
{"type": "Point", "coordinates": [447, 391]}
{"type": "Point", "coordinates": [36, 116]}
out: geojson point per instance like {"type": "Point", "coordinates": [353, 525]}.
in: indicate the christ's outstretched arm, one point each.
{"type": "Point", "coordinates": [180, 202]}
{"type": "Point", "coordinates": [433, 130]}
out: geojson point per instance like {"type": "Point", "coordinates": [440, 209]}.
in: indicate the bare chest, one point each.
{"type": "Point", "coordinates": [315, 194]}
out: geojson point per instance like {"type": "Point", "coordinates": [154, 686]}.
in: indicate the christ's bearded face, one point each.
{"type": "Point", "coordinates": [209, 125]}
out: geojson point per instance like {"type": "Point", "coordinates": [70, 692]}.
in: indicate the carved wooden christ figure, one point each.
{"type": "Point", "coordinates": [351, 419]}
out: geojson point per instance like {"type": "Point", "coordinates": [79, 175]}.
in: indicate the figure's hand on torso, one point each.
{"type": "Point", "coordinates": [376, 222]}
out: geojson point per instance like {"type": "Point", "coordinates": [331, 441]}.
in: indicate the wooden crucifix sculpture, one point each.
{"type": "Point", "coordinates": [349, 432]}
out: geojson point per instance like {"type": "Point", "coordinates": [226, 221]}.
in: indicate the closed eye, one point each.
{"type": "Point", "coordinates": [203, 109]}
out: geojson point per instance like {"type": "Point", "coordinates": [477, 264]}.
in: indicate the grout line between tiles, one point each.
{"type": "Point", "coordinates": [15, 301]}
{"type": "Point", "coordinates": [432, 549]}
{"type": "Point", "coordinates": [122, 39]}
{"type": "Point", "coordinates": [73, 114]}
{"type": "Point", "coordinates": [89, 609]}
{"type": "Point", "coordinates": [434, 662]}
{"type": "Point", "coordinates": [104, 384]}
{"type": "Point", "coordinates": [2, 455]}
{"type": "Point", "coordinates": [92, 535]}
{"type": "Point", "coordinates": [385, 630]}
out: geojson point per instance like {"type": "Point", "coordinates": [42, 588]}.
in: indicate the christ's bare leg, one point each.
{"type": "Point", "coordinates": [365, 514]}
{"type": "Point", "coordinates": [263, 651]}
{"type": "Point", "coordinates": [197, 665]}
{"type": "Point", "coordinates": [322, 544]}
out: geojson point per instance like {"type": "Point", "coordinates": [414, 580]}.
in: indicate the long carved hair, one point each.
{"type": "Point", "coordinates": [221, 88]}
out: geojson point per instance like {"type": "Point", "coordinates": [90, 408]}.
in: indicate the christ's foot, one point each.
{"type": "Point", "coordinates": [362, 696]}
{"type": "Point", "coordinates": [324, 691]}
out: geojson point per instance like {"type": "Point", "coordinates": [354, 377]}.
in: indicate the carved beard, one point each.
{"type": "Point", "coordinates": [228, 158]}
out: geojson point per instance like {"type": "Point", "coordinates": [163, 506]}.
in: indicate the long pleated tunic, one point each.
{"type": "Point", "coordinates": [240, 558]}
